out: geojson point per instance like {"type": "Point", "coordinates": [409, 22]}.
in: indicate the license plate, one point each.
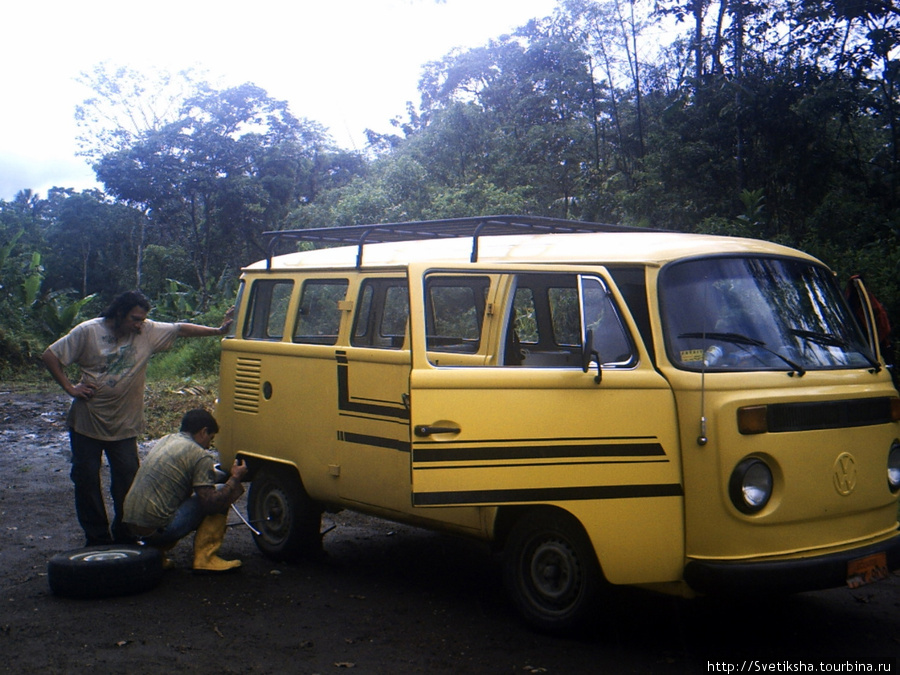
{"type": "Point", "coordinates": [864, 571]}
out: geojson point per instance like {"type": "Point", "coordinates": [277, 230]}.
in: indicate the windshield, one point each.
{"type": "Point", "coordinates": [729, 313]}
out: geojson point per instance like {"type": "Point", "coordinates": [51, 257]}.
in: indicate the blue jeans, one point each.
{"type": "Point", "coordinates": [186, 519]}
{"type": "Point", "coordinates": [87, 457]}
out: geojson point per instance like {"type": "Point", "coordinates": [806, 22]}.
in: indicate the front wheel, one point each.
{"type": "Point", "coordinates": [288, 521]}
{"type": "Point", "coordinates": [551, 571]}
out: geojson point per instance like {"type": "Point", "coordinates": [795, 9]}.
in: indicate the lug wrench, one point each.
{"type": "Point", "coordinates": [245, 521]}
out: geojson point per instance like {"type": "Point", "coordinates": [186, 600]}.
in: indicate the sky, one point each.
{"type": "Point", "coordinates": [348, 64]}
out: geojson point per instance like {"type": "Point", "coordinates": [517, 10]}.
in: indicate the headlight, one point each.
{"type": "Point", "coordinates": [894, 466]}
{"type": "Point", "coordinates": [750, 486]}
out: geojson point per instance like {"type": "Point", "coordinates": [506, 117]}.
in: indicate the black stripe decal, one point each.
{"type": "Point", "coordinates": [544, 465]}
{"type": "Point", "coordinates": [376, 441]}
{"type": "Point", "coordinates": [345, 404]}
{"type": "Point", "coordinates": [507, 453]}
{"type": "Point", "coordinates": [561, 494]}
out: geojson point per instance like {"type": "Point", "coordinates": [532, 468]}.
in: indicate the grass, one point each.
{"type": "Point", "coordinates": [166, 400]}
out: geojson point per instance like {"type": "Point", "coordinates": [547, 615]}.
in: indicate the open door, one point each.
{"type": "Point", "coordinates": [863, 301]}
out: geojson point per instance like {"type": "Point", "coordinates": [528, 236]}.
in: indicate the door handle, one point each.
{"type": "Point", "coordinates": [428, 430]}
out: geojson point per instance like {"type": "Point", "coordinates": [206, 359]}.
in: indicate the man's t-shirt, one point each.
{"type": "Point", "coordinates": [116, 368]}
{"type": "Point", "coordinates": [167, 477]}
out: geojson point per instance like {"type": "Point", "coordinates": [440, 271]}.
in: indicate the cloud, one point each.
{"type": "Point", "coordinates": [18, 173]}
{"type": "Point", "coordinates": [347, 64]}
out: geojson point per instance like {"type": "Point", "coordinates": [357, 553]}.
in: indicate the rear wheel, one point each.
{"type": "Point", "coordinates": [288, 521]}
{"type": "Point", "coordinates": [551, 571]}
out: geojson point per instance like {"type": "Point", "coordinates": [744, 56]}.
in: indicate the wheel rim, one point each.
{"type": "Point", "coordinates": [275, 516]}
{"type": "Point", "coordinates": [552, 575]}
{"type": "Point", "coordinates": [112, 554]}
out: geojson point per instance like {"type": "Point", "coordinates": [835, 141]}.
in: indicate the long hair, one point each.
{"type": "Point", "coordinates": [124, 303]}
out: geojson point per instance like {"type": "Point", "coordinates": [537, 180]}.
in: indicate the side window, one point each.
{"type": "Point", "coordinates": [601, 316]}
{"type": "Point", "coordinates": [525, 316]}
{"type": "Point", "coordinates": [565, 316]}
{"type": "Point", "coordinates": [545, 326]}
{"type": "Point", "coordinates": [318, 316]}
{"type": "Point", "coordinates": [382, 314]}
{"type": "Point", "coordinates": [396, 314]}
{"type": "Point", "coordinates": [455, 313]}
{"type": "Point", "coordinates": [267, 312]}
{"type": "Point", "coordinates": [550, 315]}
{"type": "Point", "coordinates": [363, 316]}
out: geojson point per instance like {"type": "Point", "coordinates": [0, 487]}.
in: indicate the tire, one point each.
{"type": "Point", "coordinates": [289, 522]}
{"type": "Point", "coordinates": [551, 572]}
{"type": "Point", "coordinates": [105, 571]}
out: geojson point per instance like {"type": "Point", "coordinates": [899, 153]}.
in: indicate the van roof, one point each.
{"type": "Point", "coordinates": [494, 239]}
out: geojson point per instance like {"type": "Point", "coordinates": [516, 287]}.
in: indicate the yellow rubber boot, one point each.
{"type": "Point", "coordinates": [207, 541]}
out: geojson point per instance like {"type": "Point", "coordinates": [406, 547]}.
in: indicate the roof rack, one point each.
{"type": "Point", "coordinates": [451, 228]}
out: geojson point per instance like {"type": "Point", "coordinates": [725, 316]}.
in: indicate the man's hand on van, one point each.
{"type": "Point", "coordinates": [239, 469]}
{"type": "Point", "coordinates": [227, 321]}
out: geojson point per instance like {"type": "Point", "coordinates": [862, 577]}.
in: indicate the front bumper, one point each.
{"type": "Point", "coordinates": [784, 576]}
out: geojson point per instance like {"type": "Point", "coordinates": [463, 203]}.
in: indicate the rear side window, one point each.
{"type": "Point", "coordinates": [318, 316]}
{"type": "Point", "coordinates": [267, 313]}
{"type": "Point", "coordinates": [382, 314]}
{"type": "Point", "coordinates": [455, 313]}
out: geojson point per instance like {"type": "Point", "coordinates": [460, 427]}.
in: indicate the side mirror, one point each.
{"type": "Point", "coordinates": [588, 354]}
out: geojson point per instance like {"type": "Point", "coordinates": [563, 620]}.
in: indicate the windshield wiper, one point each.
{"type": "Point", "coordinates": [738, 339]}
{"type": "Point", "coordinates": [824, 339]}
{"type": "Point", "coordinates": [829, 340]}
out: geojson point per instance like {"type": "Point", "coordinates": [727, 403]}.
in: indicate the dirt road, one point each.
{"type": "Point", "coordinates": [389, 599]}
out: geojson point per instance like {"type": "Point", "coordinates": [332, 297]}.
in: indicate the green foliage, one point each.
{"type": "Point", "coordinates": [480, 197]}
{"type": "Point", "coordinates": [188, 358]}
{"type": "Point", "coordinates": [179, 301]}
{"type": "Point", "coordinates": [754, 208]}
{"type": "Point", "coordinates": [192, 357]}
{"type": "Point", "coordinates": [777, 120]}
{"type": "Point", "coordinates": [8, 247]}
{"type": "Point", "coordinates": [18, 352]}
{"type": "Point", "coordinates": [33, 280]}
{"type": "Point", "coordinates": [163, 265]}
{"type": "Point", "coordinates": [60, 313]}
{"type": "Point", "coordinates": [228, 166]}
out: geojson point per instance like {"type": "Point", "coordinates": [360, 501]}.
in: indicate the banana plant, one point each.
{"type": "Point", "coordinates": [32, 284]}
{"type": "Point", "coordinates": [59, 314]}
{"type": "Point", "coordinates": [179, 301]}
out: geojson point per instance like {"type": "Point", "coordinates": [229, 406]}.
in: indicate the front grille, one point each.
{"type": "Point", "coordinates": [859, 412]}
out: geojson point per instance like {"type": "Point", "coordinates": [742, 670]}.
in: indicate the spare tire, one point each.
{"type": "Point", "coordinates": [105, 571]}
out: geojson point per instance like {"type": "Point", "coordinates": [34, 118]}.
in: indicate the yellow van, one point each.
{"type": "Point", "coordinates": [690, 413]}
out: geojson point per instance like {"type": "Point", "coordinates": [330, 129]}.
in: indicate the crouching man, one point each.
{"type": "Point", "coordinates": [175, 493]}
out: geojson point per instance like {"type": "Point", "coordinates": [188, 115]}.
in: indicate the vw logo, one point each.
{"type": "Point", "coordinates": [844, 474]}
